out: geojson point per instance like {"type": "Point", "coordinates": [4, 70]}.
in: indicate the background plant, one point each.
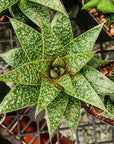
{"type": "Point", "coordinates": [50, 69]}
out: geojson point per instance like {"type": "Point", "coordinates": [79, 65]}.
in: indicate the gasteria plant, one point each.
{"type": "Point", "coordinates": [50, 70]}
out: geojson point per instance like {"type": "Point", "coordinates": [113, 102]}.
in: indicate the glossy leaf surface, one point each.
{"type": "Point", "coordinates": [24, 75]}
{"type": "Point", "coordinates": [99, 82]}
{"type": "Point", "coordinates": [35, 11]}
{"type": "Point", "coordinates": [90, 4]}
{"type": "Point", "coordinates": [75, 62]}
{"type": "Point", "coordinates": [85, 92]}
{"type": "Point", "coordinates": [49, 90]}
{"type": "Point", "coordinates": [4, 4]}
{"type": "Point", "coordinates": [85, 42]}
{"type": "Point", "coordinates": [15, 57]}
{"type": "Point", "coordinates": [65, 82]}
{"type": "Point", "coordinates": [53, 4]}
{"type": "Point", "coordinates": [72, 113]}
{"type": "Point", "coordinates": [55, 111]}
{"type": "Point", "coordinates": [61, 26]}
{"type": "Point", "coordinates": [51, 46]}
{"type": "Point", "coordinates": [30, 39]}
{"type": "Point", "coordinates": [19, 97]}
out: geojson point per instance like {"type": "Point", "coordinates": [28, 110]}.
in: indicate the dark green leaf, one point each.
{"type": "Point", "coordinates": [51, 45]}
{"type": "Point", "coordinates": [4, 4]}
{"type": "Point", "coordinates": [15, 57]}
{"type": "Point", "coordinates": [25, 74]}
{"type": "Point", "coordinates": [30, 39]}
{"type": "Point", "coordinates": [112, 76]}
{"type": "Point", "coordinates": [72, 113]}
{"type": "Point", "coordinates": [49, 90]}
{"type": "Point", "coordinates": [61, 26]}
{"type": "Point", "coordinates": [99, 82]}
{"type": "Point", "coordinates": [55, 111]}
{"type": "Point", "coordinates": [66, 83]}
{"type": "Point", "coordinates": [75, 62]}
{"type": "Point", "coordinates": [19, 97]}
{"type": "Point", "coordinates": [53, 4]}
{"type": "Point", "coordinates": [85, 92]}
{"type": "Point", "coordinates": [35, 11]}
{"type": "Point", "coordinates": [84, 42]}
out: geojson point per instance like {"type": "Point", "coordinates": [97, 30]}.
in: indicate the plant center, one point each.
{"type": "Point", "coordinates": [57, 71]}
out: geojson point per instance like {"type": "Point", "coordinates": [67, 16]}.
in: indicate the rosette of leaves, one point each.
{"type": "Point", "coordinates": [51, 71]}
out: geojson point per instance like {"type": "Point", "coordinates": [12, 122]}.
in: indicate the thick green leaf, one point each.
{"type": "Point", "coordinates": [72, 113]}
{"type": "Point", "coordinates": [90, 4]}
{"type": "Point", "coordinates": [99, 82]}
{"type": "Point", "coordinates": [30, 39]}
{"type": "Point", "coordinates": [58, 62]}
{"type": "Point", "coordinates": [35, 11]}
{"type": "Point", "coordinates": [61, 26]}
{"type": "Point", "coordinates": [15, 57]}
{"type": "Point", "coordinates": [25, 74]}
{"type": "Point", "coordinates": [42, 66]}
{"type": "Point", "coordinates": [51, 46]}
{"type": "Point", "coordinates": [76, 61]}
{"type": "Point", "coordinates": [4, 4]}
{"type": "Point", "coordinates": [84, 42]}
{"type": "Point", "coordinates": [85, 92]}
{"type": "Point", "coordinates": [16, 13]}
{"type": "Point", "coordinates": [106, 6]}
{"type": "Point", "coordinates": [49, 90]}
{"type": "Point", "coordinates": [96, 63]}
{"type": "Point", "coordinates": [19, 97]}
{"type": "Point", "coordinates": [65, 82]}
{"type": "Point", "coordinates": [55, 111]}
{"type": "Point", "coordinates": [53, 4]}
{"type": "Point", "coordinates": [112, 76]}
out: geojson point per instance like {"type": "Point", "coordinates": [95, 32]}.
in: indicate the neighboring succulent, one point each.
{"type": "Point", "coordinates": [50, 69]}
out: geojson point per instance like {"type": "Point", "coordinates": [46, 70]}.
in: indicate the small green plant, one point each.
{"type": "Point", "coordinates": [51, 71]}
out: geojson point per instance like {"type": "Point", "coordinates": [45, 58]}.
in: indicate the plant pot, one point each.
{"type": "Point", "coordinates": [86, 20]}
{"type": "Point", "coordinates": [107, 71]}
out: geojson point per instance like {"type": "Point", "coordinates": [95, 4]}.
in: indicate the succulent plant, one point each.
{"type": "Point", "coordinates": [51, 71]}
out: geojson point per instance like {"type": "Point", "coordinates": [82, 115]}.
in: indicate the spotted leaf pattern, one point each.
{"type": "Point", "coordinates": [30, 39]}
{"type": "Point", "coordinates": [99, 82]}
{"type": "Point", "coordinates": [4, 4]}
{"type": "Point", "coordinates": [62, 31]}
{"type": "Point", "coordinates": [15, 57]}
{"type": "Point", "coordinates": [55, 111]}
{"type": "Point", "coordinates": [48, 92]}
{"type": "Point", "coordinates": [53, 4]}
{"type": "Point", "coordinates": [25, 74]}
{"type": "Point", "coordinates": [72, 113]}
{"type": "Point", "coordinates": [75, 62]}
{"type": "Point", "coordinates": [85, 42]}
{"type": "Point", "coordinates": [53, 49]}
{"type": "Point", "coordinates": [85, 92]}
{"type": "Point", "coordinates": [35, 11]}
{"type": "Point", "coordinates": [19, 97]}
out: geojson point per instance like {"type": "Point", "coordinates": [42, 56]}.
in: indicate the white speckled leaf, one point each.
{"type": "Point", "coordinates": [15, 57]}
{"type": "Point", "coordinates": [58, 62]}
{"type": "Point", "coordinates": [30, 39]}
{"type": "Point", "coordinates": [42, 66]}
{"type": "Point", "coordinates": [99, 82]}
{"type": "Point", "coordinates": [61, 26]}
{"type": "Point", "coordinates": [53, 4]}
{"type": "Point", "coordinates": [35, 11]}
{"type": "Point", "coordinates": [51, 45]}
{"type": "Point", "coordinates": [55, 111]}
{"type": "Point", "coordinates": [48, 92]}
{"type": "Point", "coordinates": [25, 74]}
{"type": "Point", "coordinates": [84, 42]}
{"type": "Point", "coordinates": [85, 92]}
{"type": "Point", "coordinates": [72, 113]}
{"type": "Point", "coordinates": [19, 97]}
{"type": "Point", "coordinates": [4, 4]}
{"type": "Point", "coordinates": [65, 82]}
{"type": "Point", "coordinates": [76, 61]}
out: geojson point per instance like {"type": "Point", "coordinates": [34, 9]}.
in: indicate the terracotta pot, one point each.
{"type": "Point", "coordinates": [92, 110]}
